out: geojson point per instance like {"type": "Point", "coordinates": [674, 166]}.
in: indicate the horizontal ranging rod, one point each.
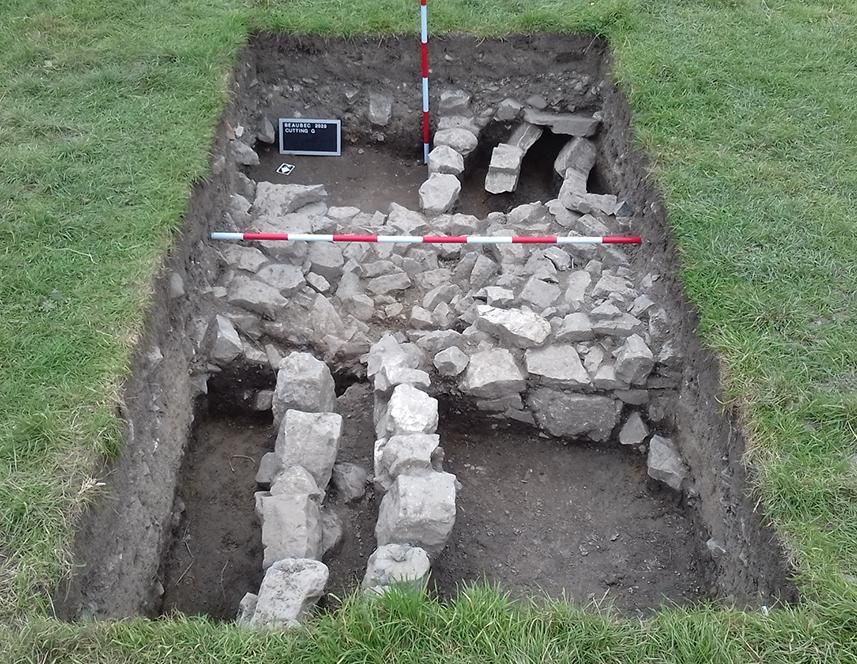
{"type": "Point", "coordinates": [431, 239]}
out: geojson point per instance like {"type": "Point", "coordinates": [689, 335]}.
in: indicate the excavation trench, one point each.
{"type": "Point", "coordinates": [557, 490]}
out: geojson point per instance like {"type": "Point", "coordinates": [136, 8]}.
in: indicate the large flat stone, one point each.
{"type": "Point", "coordinates": [492, 374]}
{"type": "Point", "coordinates": [574, 415]}
{"type": "Point", "coordinates": [256, 296]}
{"type": "Point", "coordinates": [557, 366]}
{"type": "Point", "coordinates": [280, 199]}
{"type": "Point", "coordinates": [578, 154]}
{"type": "Point", "coordinates": [572, 124]}
{"type": "Point", "coordinates": [459, 139]}
{"type": "Point", "coordinates": [504, 169]}
{"type": "Point", "coordinates": [518, 327]}
{"type": "Point", "coordinates": [418, 510]}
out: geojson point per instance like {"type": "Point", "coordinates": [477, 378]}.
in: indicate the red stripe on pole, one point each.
{"type": "Point", "coordinates": [445, 239]}
{"type": "Point", "coordinates": [621, 239]}
{"type": "Point", "coordinates": [424, 54]}
{"type": "Point", "coordinates": [355, 238]}
{"type": "Point", "coordinates": [534, 239]}
{"type": "Point", "coordinates": [426, 132]}
{"type": "Point", "coordinates": [266, 236]}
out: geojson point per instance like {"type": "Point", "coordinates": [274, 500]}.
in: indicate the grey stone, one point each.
{"type": "Point", "coordinates": [294, 480]}
{"type": "Point", "coordinates": [331, 532]}
{"type": "Point", "coordinates": [518, 327]}
{"type": "Point", "coordinates": [500, 405]}
{"type": "Point", "coordinates": [451, 362]}
{"type": "Point", "coordinates": [525, 136]}
{"type": "Point", "coordinates": [342, 215]}
{"type": "Point", "coordinates": [467, 122]}
{"type": "Point", "coordinates": [290, 589]}
{"type": "Point", "coordinates": [611, 284]}
{"type": "Point", "coordinates": [437, 340]}
{"type": "Point", "coordinates": [387, 353]}
{"type": "Point", "coordinates": [443, 159]}
{"type": "Point", "coordinates": [574, 415]}
{"type": "Point", "coordinates": [438, 294]}
{"type": "Point", "coordinates": [175, 286]}
{"type": "Point", "coordinates": [244, 154]}
{"type": "Point", "coordinates": [310, 440]}
{"type": "Point", "coordinates": [665, 464]}
{"type": "Point", "coordinates": [608, 320]}
{"type": "Point", "coordinates": [633, 397]}
{"type": "Point", "coordinates": [557, 366]}
{"type": "Point", "coordinates": [484, 269]}
{"type": "Point", "coordinates": [222, 341]}
{"type": "Point", "coordinates": [429, 279]}
{"type": "Point", "coordinates": [539, 294]}
{"type": "Point", "coordinates": [326, 259]}
{"type": "Point", "coordinates": [537, 101]}
{"type": "Point", "coordinates": [605, 378]}
{"type": "Point", "coordinates": [715, 548]}
{"type": "Point", "coordinates": [559, 257]}
{"type": "Point", "coordinates": [571, 197]}
{"type": "Point", "coordinates": [286, 278]}
{"type": "Point", "coordinates": [641, 305]}
{"type": "Point", "coordinates": [389, 377]}
{"type": "Point", "coordinates": [454, 102]}
{"type": "Point", "coordinates": [504, 169]}
{"type": "Point", "coordinates": [269, 466]}
{"type": "Point", "coordinates": [578, 154]}
{"type": "Point", "coordinates": [418, 510]}
{"type": "Point", "coordinates": [634, 361]}
{"type": "Point", "coordinates": [405, 453]}
{"type": "Point", "coordinates": [244, 258]}
{"type": "Point", "coordinates": [266, 132]}
{"type": "Point", "coordinates": [303, 383]}
{"type": "Point", "coordinates": [439, 193]}
{"type": "Point", "coordinates": [317, 282]}
{"type": "Point", "coordinates": [634, 431]}
{"type": "Point", "coordinates": [575, 327]}
{"type": "Point", "coordinates": [246, 608]}
{"type": "Point", "coordinates": [277, 200]}
{"type": "Point", "coordinates": [498, 297]}
{"type": "Point", "coordinates": [406, 222]}
{"type": "Point", "coordinates": [396, 563]}
{"type": "Point", "coordinates": [389, 282]}
{"type": "Point", "coordinates": [461, 140]}
{"type": "Point", "coordinates": [380, 109]}
{"type": "Point", "coordinates": [492, 374]}
{"type": "Point", "coordinates": [349, 480]}
{"type": "Point", "coordinates": [359, 305]}
{"type": "Point", "coordinates": [508, 110]}
{"type": "Point", "coordinates": [563, 123]}
{"type": "Point", "coordinates": [291, 526]}
{"type": "Point", "coordinates": [410, 411]}
{"type": "Point", "coordinates": [255, 295]}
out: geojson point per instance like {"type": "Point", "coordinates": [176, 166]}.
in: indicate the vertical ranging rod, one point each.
{"type": "Point", "coordinates": [424, 57]}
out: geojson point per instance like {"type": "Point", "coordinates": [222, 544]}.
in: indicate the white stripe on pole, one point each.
{"type": "Point", "coordinates": [401, 238]}
{"type": "Point", "coordinates": [425, 95]}
{"type": "Point", "coordinates": [577, 239]}
{"type": "Point", "coordinates": [423, 23]}
{"type": "Point", "coordinates": [305, 237]}
{"type": "Point", "coordinates": [221, 235]}
{"type": "Point", "coordinates": [489, 239]}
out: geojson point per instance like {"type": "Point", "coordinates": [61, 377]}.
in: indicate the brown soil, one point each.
{"type": "Point", "coordinates": [542, 518]}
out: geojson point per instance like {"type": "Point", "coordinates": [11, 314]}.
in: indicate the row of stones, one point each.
{"type": "Point", "coordinates": [297, 531]}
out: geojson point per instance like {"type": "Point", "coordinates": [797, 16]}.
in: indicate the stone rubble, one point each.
{"type": "Point", "coordinates": [570, 339]}
{"type": "Point", "coordinates": [290, 589]}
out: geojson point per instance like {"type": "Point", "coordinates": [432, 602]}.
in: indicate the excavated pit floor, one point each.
{"type": "Point", "coordinates": [537, 517]}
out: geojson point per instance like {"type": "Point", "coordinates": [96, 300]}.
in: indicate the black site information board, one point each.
{"type": "Point", "coordinates": [321, 138]}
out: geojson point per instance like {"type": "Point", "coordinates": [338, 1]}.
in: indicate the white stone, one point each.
{"type": "Point", "coordinates": [396, 563]}
{"type": "Point", "coordinates": [380, 109]}
{"type": "Point", "coordinates": [665, 464]}
{"type": "Point", "coordinates": [326, 259]}
{"type": "Point", "coordinates": [525, 136]}
{"type": "Point", "coordinates": [484, 269]}
{"type": "Point", "coordinates": [244, 154]}
{"type": "Point", "coordinates": [539, 294]}
{"type": "Point", "coordinates": [389, 282]}
{"type": "Point", "coordinates": [634, 431]}
{"type": "Point", "coordinates": [563, 123]}
{"type": "Point", "coordinates": [558, 366]}
{"type": "Point", "coordinates": [291, 526]}
{"type": "Point", "coordinates": [303, 383]}
{"type": "Point", "coordinates": [269, 466]}
{"type": "Point", "coordinates": [410, 411]}
{"type": "Point", "coordinates": [461, 140]}
{"type": "Point", "coordinates": [255, 296]}
{"type": "Point", "coordinates": [575, 327]}
{"type": "Point", "coordinates": [290, 589]}
{"type": "Point", "coordinates": [574, 415]}
{"type": "Point", "coordinates": [294, 480]}
{"type": "Point", "coordinates": [451, 362]}
{"type": "Point", "coordinates": [403, 221]}
{"type": "Point", "coordinates": [286, 278]}
{"type": "Point", "coordinates": [453, 101]}
{"type": "Point", "coordinates": [634, 361]}
{"type": "Point", "coordinates": [222, 341]}
{"type": "Point", "coordinates": [504, 169]}
{"type": "Point", "coordinates": [578, 154]}
{"type": "Point", "coordinates": [405, 453]}
{"type": "Point", "coordinates": [310, 440]}
{"type": "Point", "coordinates": [443, 159]}
{"type": "Point", "coordinates": [439, 193]}
{"type": "Point", "coordinates": [492, 374]}
{"type": "Point", "coordinates": [517, 327]}
{"type": "Point", "coordinates": [508, 110]}
{"type": "Point", "coordinates": [498, 297]}
{"type": "Point", "coordinates": [277, 200]}
{"type": "Point", "coordinates": [248, 259]}
{"type": "Point", "coordinates": [418, 510]}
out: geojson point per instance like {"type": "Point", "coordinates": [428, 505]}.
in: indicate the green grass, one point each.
{"type": "Point", "coordinates": [107, 110]}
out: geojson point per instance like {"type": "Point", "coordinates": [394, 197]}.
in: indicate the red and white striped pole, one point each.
{"type": "Point", "coordinates": [425, 70]}
{"type": "Point", "coordinates": [430, 239]}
